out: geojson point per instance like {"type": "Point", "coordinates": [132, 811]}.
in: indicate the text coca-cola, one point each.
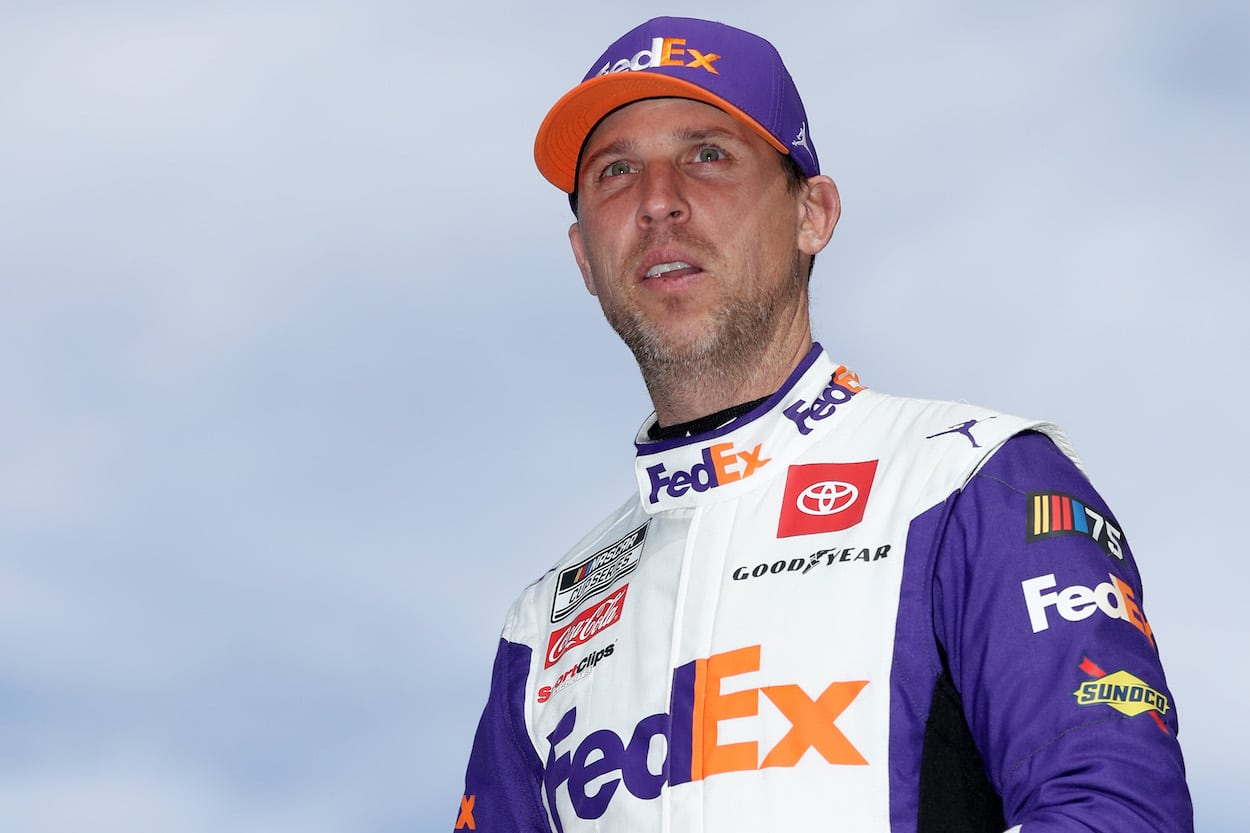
{"type": "Point", "coordinates": [587, 625]}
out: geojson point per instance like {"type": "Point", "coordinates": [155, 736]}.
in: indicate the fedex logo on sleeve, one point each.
{"type": "Point", "coordinates": [1113, 599]}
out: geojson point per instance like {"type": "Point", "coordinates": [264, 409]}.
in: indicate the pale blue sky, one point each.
{"type": "Point", "coordinates": [301, 385]}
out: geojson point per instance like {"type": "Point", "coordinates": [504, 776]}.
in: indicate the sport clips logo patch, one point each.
{"type": "Point", "coordinates": [825, 497]}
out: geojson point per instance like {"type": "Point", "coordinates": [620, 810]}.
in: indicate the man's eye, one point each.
{"type": "Point", "coordinates": [617, 168]}
{"type": "Point", "coordinates": [710, 155]}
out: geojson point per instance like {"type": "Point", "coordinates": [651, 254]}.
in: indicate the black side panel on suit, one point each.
{"type": "Point", "coordinates": [955, 794]}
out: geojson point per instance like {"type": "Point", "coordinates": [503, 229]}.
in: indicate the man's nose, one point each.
{"type": "Point", "coordinates": [663, 198]}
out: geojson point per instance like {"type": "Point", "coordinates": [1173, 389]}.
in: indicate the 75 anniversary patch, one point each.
{"type": "Point", "coordinates": [1053, 513]}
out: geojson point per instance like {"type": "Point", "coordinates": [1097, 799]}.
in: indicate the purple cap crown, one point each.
{"type": "Point", "coordinates": [679, 57]}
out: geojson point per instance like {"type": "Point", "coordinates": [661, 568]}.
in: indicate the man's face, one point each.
{"type": "Point", "coordinates": [689, 236]}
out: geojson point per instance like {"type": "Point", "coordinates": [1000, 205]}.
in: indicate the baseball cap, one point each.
{"type": "Point", "coordinates": [679, 57]}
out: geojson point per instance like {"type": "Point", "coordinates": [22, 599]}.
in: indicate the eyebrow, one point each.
{"type": "Point", "coordinates": [704, 133]}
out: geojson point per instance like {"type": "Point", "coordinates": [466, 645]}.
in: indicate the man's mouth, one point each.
{"type": "Point", "coordinates": [674, 268]}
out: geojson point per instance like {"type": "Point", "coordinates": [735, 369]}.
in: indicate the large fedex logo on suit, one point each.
{"type": "Point", "coordinates": [691, 731]}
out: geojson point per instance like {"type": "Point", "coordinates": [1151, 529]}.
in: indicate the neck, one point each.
{"type": "Point", "coordinates": [701, 425]}
{"type": "Point", "coordinates": [685, 391]}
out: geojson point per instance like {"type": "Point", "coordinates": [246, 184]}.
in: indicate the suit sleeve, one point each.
{"type": "Point", "coordinates": [1039, 607]}
{"type": "Point", "coordinates": [502, 792]}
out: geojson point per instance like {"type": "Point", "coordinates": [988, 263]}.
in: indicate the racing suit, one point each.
{"type": "Point", "coordinates": [843, 610]}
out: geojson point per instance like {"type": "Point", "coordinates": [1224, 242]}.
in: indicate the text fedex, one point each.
{"type": "Point", "coordinates": [664, 52]}
{"type": "Point", "coordinates": [721, 464]}
{"type": "Point", "coordinates": [843, 385]}
{"type": "Point", "coordinates": [1111, 598]}
{"type": "Point", "coordinates": [593, 771]}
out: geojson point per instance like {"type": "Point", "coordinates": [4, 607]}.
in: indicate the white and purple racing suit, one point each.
{"type": "Point", "coordinates": [844, 610]}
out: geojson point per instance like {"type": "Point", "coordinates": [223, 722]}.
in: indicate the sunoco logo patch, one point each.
{"type": "Point", "coordinates": [1127, 694]}
{"type": "Point", "coordinates": [597, 573]}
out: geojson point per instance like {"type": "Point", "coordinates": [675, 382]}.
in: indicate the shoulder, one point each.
{"type": "Point", "coordinates": [607, 551]}
{"type": "Point", "coordinates": [945, 425]}
{"type": "Point", "coordinates": [947, 442]}
{"type": "Point", "coordinates": [1033, 462]}
{"type": "Point", "coordinates": [1038, 450]}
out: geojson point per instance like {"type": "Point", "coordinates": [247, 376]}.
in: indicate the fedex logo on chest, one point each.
{"type": "Point", "coordinates": [721, 463]}
{"type": "Point", "coordinates": [713, 727]}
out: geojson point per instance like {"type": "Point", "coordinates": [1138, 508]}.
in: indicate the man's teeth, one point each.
{"type": "Point", "coordinates": [664, 268]}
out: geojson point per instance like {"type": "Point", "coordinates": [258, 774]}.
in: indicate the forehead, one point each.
{"type": "Point", "coordinates": [665, 118]}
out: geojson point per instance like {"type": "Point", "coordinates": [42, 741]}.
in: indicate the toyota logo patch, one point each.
{"type": "Point", "coordinates": [825, 497]}
{"type": "Point", "coordinates": [829, 497]}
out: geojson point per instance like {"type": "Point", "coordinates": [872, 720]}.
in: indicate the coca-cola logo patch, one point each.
{"type": "Point", "coordinates": [825, 497]}
{"type": "Point", "coordinates": [588, 624]}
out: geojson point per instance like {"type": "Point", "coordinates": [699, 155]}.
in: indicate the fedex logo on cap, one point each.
{"type": "Point", "coordinates": [664, 52]}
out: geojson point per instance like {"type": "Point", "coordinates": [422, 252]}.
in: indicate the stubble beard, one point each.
{"type": "Point", "coordinates": [736, 342]}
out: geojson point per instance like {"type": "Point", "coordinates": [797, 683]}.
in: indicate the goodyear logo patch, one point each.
{"type": "Point", "coordinates": [1053, 513]}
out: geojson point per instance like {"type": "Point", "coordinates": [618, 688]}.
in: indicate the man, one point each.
{"type": "Point", "coordinates": [826, 607]}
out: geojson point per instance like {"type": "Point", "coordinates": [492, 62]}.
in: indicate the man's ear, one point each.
{"type": "Point", "coordinates": [819, 210]}
{"type": "Point", "coordinates": [579, 254]}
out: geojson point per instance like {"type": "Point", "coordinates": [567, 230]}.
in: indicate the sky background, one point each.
{"type": "Point", "coordinates": [299, 384]}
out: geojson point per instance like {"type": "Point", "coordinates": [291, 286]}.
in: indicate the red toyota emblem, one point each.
{"type": "Point", "coordinates": [825, 497]}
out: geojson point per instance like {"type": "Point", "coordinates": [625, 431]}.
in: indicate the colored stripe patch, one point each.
{"type": "Point", "coordinates": [1053, 513]}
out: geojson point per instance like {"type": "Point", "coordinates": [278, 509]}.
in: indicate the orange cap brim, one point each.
{"type": "Point", "coordinates": [568, 123]}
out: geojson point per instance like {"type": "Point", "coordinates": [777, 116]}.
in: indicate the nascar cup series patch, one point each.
{"type": "Point", "coordinates": [595, 574]}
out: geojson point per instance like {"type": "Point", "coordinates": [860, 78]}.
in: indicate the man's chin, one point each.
{"type": "Point", "coordinates": [673, 346]}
